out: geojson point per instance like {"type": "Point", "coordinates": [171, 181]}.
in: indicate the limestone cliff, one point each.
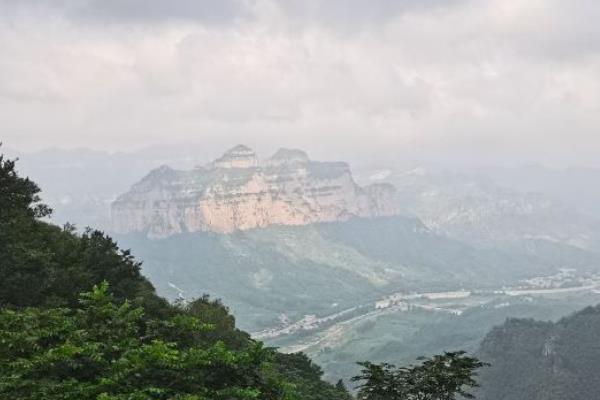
{"type": "Point", "coordinates": [238, 191]}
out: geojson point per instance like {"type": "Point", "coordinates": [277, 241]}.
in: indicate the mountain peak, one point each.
{"type": "Point", "coordinates": [288, 156]}
{"type": "Point", "coordinates": [240, 149]}
{"type": "Point", "coordinates": [240, 156]}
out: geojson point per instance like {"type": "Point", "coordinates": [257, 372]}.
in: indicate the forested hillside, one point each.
{"type": "Point", "coordinates": [79, 321]}
{"type": "Point", "coordinates": [533, 360]}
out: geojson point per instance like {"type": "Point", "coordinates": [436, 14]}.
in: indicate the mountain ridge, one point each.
{"type": "Point", "coordinates": [238, 191]}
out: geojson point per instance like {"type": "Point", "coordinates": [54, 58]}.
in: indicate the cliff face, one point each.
{"type": "Point", "coordinates": [238, 191]}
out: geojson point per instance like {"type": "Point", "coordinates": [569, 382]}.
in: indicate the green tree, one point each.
{"type": "Point", "coordinates": [305, 377]}
{"type": "Point", "coordinates": [19, 196]}
{"type": "Point", "coordinates": [45, 265]}
{"type": "Point", "coordinates": [441, 377]}
{"type": "Point", "coordinates": [216, 314]}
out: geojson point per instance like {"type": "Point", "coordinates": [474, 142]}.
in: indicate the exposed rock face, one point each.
{"type": "Point", "coordinates": [237, 192]}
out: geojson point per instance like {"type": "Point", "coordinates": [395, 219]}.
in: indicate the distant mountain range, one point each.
{"type": "Point", "coordinates": [486, 206]}
{"type": "Point", "coordinates": [477, 210]}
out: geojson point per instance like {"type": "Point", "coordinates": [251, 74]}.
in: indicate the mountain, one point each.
{"type": "Point", "coordinates": [534, 360]}
{"type": "Point", "coordinates": [479, 211]}
{"type": "Point", "coordinates": [484, 206]}
{"type": "Point", "coordinates": [238, 191]}
{"type": "Point", "coordinates": [574, 186]}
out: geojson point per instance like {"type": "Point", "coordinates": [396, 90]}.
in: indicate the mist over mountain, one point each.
{"type": "Point", "coordinates": [238, 191]}
{"type": "Point", "coordinates": [487, 211]}
{"type": "Point", "coordinates": [574, 186]}
{"type": "Point", "coordinates": [472, 205]}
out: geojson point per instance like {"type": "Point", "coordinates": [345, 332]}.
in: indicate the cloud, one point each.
{"type": "Point", "coordinates": [494, 81]}
{"type": "Point", "coordinates": [132, 11]}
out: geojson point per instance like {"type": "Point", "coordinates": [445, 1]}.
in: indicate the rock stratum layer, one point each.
{"type": "Point", "coordinates": [238, 192]}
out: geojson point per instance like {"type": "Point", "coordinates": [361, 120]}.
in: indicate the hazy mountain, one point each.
{"type": "Point", "coordinates": [479, 211]}
{"type": "Point", "coordinates": [484, 207]}
{"type": "Point", "coordinates": [576, 186]}
{"type": "Point", "coordinates": [238, 191]}
{"type": "Point", "coordinates": [535, 360]}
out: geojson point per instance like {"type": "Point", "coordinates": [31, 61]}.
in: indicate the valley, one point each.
{"type": "Point", "coordinates": [454, 303]}
{"type": "Point", "coordinates": [408, 323]}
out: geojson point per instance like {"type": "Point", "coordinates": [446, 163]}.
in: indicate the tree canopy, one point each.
{"type": "Point", "coordinates": [106, 350]}
{"type": "Point", "coordinates": [441, 377]}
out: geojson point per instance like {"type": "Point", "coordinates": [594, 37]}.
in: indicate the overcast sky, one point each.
{"type": "Point", "coordinates": [498, 81]}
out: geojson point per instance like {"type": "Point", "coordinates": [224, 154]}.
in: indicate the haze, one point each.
{"type": "Point", "coordinates": [459, 81]}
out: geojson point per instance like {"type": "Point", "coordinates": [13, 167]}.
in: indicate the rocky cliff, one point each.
{"type": "Point", "coordinates": [238, 191]}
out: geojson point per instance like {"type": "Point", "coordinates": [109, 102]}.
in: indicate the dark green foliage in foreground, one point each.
{"type": "Point", "coordinates": [104, 350]}
{"type": "Point", "coordinates": [442, 377]}
{"type": "Point", "coordinates": [107, 351]}
{"type": "Point", "coordinates": [307, 377]}
{"type": "Point", "coordinates": [124, 342]}
{"type": "Point", "coordinates": [213, 312]}
{"type": "Point", "coordinates": [44, 265]}
{"type": "Point", "coordinates": [534, 360]}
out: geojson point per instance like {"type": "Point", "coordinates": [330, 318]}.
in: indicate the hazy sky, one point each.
{"type": "Point", "coordinates": [496, 81]}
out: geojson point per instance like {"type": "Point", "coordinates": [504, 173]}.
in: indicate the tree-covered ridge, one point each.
{"type": "Point", "coordinates": [534, 360]}
{"type": "Point", "coordinates": [119, 340]}
{"type": "Point", "coordinates": [45, 265]}
{"type": "Point", "coordinates": [103, 350]}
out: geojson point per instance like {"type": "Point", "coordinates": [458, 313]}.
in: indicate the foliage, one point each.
{"type": "Point", "coordinates": [222, 323]}
{"type": "Point", "coordinates": [106, 350]}
{"type": "Point", "coordinates": [306, 376]}
{"type": "Point", "coordinates": [19, 196]}
{"type": "Point", "coordinates": [442, 377]}
{"type": "Point", "coordinates": [44, 265]}
{"type": "Point", "coordinates": [535, 360]}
